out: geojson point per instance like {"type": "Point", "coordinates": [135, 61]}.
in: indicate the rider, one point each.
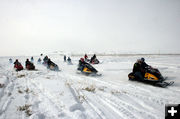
{"type": "Point", "coordinates": [39, 60]}
{"type": "Point", "coordinates": [17, 65]}
{"type": "Point", "coordinates": [85, 56]}
{"type": "Point", "coordinates": [69, 59]}
{"type": "Point", "coordinates": [150, 69]}
{"type": "Point", "coordinates": [27, 62]}
{"type": "Point", "coordinates": [45, 59]}
{"type": "Point", "coordinates": [49, 62]}
{"type": "Point", "coordinates": [82, 64]}
{"type": "Point", "coordinates": [138, 71]}
{"type": "Point", "coordinates": [29, 65]}
{"type": "Point", "coordinates": [64, 58]}
{"type": "Point", "coordinates": [143, 63]}
{"type": "Point", "coordinates": [93, 58]}
{"type": "Point", "coordinates": [10, 60]}
{"type": "Point", "coordinates": [32, 59]}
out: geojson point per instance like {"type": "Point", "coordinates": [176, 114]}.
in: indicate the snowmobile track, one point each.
{"type": "Point", "coordinates": [119, 103]}
{"type": "Point", "coordinates": [47, 97]}
{"type": "Point", "coordinates": [10, 84]}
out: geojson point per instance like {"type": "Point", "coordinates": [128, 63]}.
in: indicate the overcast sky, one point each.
{"type": "Point", "coordinates": [35, 26]}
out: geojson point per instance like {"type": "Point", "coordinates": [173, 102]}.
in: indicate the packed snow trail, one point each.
{"type": "Point", "coordinates": [45, 94]}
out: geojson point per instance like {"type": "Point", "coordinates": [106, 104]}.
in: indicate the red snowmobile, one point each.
{"type": "Point", "coordinates": [18, 66]}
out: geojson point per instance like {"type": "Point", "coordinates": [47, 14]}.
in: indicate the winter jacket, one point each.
{"type": "Point", "coordinates": [18, 66]}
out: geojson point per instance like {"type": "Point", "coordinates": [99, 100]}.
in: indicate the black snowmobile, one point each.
{"type": "Point", "coordinates": [53, 67]}
{"type": "Point", "coordinates": [95, 61]}
{"type": "Point", "coordinates": [153, 77]}
{"type": "Point", "coordinates": [87, 69]}
{"type": "Point", "coordinates": [30, 66]}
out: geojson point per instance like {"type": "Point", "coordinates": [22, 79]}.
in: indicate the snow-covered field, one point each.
{"type": "Point", "coordinates": [46, 94]}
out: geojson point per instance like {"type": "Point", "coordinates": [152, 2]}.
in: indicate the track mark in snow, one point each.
{"type": "Point", "coordinates": [119, 110]}
{"type": "Point", "coordinates": [6, 94]}
{"type": "Point", "coordinates": [149, 98]}
{"type": "Point", "coordinates": [127, 107]}
{"type": "Point", "coordinates": [97, 113]}
{"type": "Point", "coordinates": [96, 109]}
{"type": "Point", "coordinates": [101, 110]}
{"type": "Point", "coordinates": [53, 109]}
{"type": "Point", "coordinates": [5, 105]}
{"type": "Point", "coordinates": [77, 106]}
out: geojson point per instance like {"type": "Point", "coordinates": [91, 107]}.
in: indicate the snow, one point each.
{"type": "Point", "coordinates": [69, 95]}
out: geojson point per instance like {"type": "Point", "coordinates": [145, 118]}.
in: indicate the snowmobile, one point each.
{"type": "Point", "coordinates": [30, 67]}
{"type": "Point", "coordinates": [95, 61]}
{"type": "Point", "coordinates": [18, 67]}
{"type": "Point", "coordinates": [152, 76]}
{"type": "Point", "coordinates": [53, 67]}
{"type": "Point", "coordinates": [87, 69]}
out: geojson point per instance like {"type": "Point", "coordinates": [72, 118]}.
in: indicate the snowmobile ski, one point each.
{"type": "Point", "coordinates": [89, 74]}
{"type": "Point", "coordinates": [94, 74]}
{"type": "Point", "coordinates": [164, 84]}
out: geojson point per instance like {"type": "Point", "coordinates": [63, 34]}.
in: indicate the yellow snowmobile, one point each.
{"type": "Point", "coordinates": [152, 76]}
{"type": "Point", "coordinates": [87, 69]}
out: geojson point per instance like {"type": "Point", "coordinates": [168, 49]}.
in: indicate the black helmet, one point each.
{"type": "Point", "coordinates": [142, 59]}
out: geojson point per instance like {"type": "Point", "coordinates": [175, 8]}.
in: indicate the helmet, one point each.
{"type": "Point", "coordinates": [142, 59]}
{"type": "Point", "coordinates": [82, 59]}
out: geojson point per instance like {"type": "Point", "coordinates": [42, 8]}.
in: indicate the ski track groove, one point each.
{"type": "Point", "coordinates": [9, 85]}
{"type": "Point", "coordinates": [114, 107]}
{"type": "Point", "coordinates": [47, 97]}
{"type": "Point", "coordinates": [105, 114]}
{"type": "Point", "coordinates": [148, 98]}
{"type": "Point", "coordinates": [93, 107]}
{"type": "Point", "coordinates": [117, 108]}
{"type": "Point", "coordinates": [75, 93]}
{"type": "Point", "coordinates": [43, 96]}
{"type": "Point", "coordinates": [116, 101]}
